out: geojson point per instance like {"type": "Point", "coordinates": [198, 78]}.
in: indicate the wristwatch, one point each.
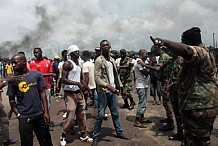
{"type": "Point", "coordinates": [5, 82]}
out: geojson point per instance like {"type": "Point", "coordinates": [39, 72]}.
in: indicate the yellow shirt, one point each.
{"type": "Point", "coordinates": [9, 68]}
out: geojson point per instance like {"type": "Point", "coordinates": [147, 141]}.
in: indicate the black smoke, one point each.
{"type": "Point", "coordinates": [31, 38]}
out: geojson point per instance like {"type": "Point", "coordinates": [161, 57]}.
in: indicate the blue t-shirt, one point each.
{"type": "Point", "coordinates": [27, 94]}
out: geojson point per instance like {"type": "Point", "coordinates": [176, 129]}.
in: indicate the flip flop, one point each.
{"type": "Point", "coordinates": [139, 125]}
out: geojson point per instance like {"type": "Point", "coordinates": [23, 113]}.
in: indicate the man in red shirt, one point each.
{"type": "Point", "coordinates": [44, 66]}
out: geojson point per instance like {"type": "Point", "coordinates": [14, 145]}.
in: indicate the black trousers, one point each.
{"type": "Point", "coordinates": [37, 125]}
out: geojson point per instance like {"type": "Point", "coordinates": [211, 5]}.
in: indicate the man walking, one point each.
{"type": "Point", "coordinates": [74, 88]}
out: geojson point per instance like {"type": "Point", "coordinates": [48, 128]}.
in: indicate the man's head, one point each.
{"type": "Point", "coordinates": [156, 50]}
{"type": "Point", "coordinates": [105, 48]}
{"type": "Point", "coordinates": [97, 51]}
{"type": "Point", "coordinates": [19, 63]}
{"type": "Point", "coordinates": [38, 53]}
{"type": "Point", "coordinates": [143, 54]}
{"type": "Point", "coordinates": [123, 53]}
{"type": "Point", "coordinates": [21, 52]}
{"type": "Point", "coordinates": [192, 36]}
{"type": "Point", "coordinates": [64, 55]}
{"type": "Point", "coordinates": [86, 55]}
{"type": "Point", "coordinates": [73, 52]}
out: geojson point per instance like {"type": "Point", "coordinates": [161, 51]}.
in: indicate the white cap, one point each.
{"type": "Point", "coordinates": [72, 48]}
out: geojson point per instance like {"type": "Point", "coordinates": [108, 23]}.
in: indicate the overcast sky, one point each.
{"type": "Point", "coordinates": [53, 24]}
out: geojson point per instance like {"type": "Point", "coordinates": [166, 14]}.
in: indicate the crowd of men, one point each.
{"type": "Point", "coordinates": [181, 75]}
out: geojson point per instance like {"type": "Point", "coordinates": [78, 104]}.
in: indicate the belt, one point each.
{"type": "Point", "coordinates": [75, 92]}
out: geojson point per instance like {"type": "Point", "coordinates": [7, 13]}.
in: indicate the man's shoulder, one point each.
{"type": "Point", "coordinates": [99, 59]}
{"type": "Point", "coordinates": [35, 73]}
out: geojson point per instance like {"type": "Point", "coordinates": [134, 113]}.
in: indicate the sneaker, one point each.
{"type": "Point", "coordinates": [9, 142]}
{"type": "Point", "coordinates": [63, 141]}
{"type": "Point", "coordinates": [87, 139]}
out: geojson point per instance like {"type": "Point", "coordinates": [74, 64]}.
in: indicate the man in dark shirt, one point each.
{"type": "Point", "coordinates": [31, 107]}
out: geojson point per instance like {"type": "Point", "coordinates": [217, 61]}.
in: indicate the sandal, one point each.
{"type": "Point", "coordinates": [139, 125]}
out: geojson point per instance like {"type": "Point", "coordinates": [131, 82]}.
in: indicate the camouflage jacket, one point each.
{"type": "Point", "coordinates": [163, 62]}
{"type": "Point", "coordinates": [197, 83]}
{"type": "Point", "coordinates": [174, 68]}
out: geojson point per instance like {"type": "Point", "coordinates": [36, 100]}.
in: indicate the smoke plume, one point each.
{"type": "Point", "coordinates": [31, 38]}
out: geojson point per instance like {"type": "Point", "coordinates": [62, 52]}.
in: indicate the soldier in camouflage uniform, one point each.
{"type": "Point", "coordinates": [197, 86]}
{"type": "Point", "coordinates": [126, 77]}
{"type": "Point", "coordinates": [174, 68]}
{"type": "Point", "coordinates": [163, 69]}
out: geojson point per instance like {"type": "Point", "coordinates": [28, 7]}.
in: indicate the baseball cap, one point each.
{"type": "Point", "coordinates": [56, 57]}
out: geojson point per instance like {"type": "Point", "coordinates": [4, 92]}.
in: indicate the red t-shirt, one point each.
{"type": "Point", "coordinates": [43, 66]}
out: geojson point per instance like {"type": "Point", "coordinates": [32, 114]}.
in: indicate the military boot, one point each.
{"type": "Point", "coordinates": [125, 105]}
{"type": "Point", "coordinates": [168, 127]}
{"type": "Point", "coordinates": [177, 136]}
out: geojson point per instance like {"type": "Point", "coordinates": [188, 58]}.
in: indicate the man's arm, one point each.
{"type": "Point", "coordinates": [45, 105]}
{"type": "Point", "coordinates": [144, 71]}
{"type": "Point", "coordinates": [12, 94]}
{"type": "Point", "coordinates": [2, 84]}
{"type": "Point", "coordinates": [98, 73]}
{"type": "Point", "coordinates": [67, 67]}
{"type": "Point", "coordinates": [49, 75]}
{"type": "Point", "coordinates": [99, 81]}
{"type": "Point", "coordinates": [179, 49]}
{"type": "Point", "coordinates": [13, 105]}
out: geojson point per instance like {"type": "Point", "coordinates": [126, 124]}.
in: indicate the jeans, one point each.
{"type": "Point", "coordinates": [107, 99]}
{"type": "Point", "coordinates": [142, 95]}
{"type": "Point", "coordinates": [95, 96]}
{"type": "Point", "coordinates": [36, 124]}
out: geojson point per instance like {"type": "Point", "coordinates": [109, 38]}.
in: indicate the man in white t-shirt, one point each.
{"type": "Point", "coordinates": [141, 83]}
{"type": "Point", "coordinates": [88, 68]}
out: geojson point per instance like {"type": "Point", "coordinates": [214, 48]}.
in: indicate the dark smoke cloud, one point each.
{"type": "Point", "coordinates": [32, 38]}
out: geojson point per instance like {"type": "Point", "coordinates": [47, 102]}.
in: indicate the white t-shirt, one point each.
{"type": "Point", "coordinates": [142, 81]}
{"type": "Point", "coordinates": [60, 67]}
{"type": "Point", "coordinates": [111, 73]}
{"type": "Point", "coordinates": [117, 61]}
{"type": "Point", "coordinates": [89, 67]}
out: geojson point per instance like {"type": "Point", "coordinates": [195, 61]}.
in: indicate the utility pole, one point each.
{"type": "Point", "coordinates": [214, 40]}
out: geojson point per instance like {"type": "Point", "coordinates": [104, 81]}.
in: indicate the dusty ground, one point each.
{"type": "Point", "coordinates": [149, 136]}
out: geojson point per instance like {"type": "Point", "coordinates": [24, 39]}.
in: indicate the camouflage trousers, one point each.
{"type": "Point", "coordinates": [127, 88]}
{"type": "Point", "coordinates": [4, 123]}
{"type": "Point", "coordinates": [166, 101]}
{"type": "Point", "coordinates": [173, 94]}
{"type": "Point", "coordinates": [198, 125]}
